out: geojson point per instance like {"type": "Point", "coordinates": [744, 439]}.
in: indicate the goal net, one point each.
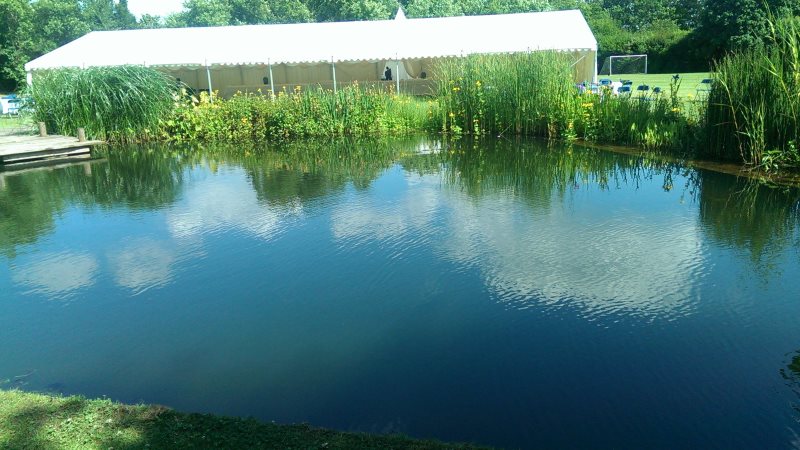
{"type": "Point", "coordinates": [624, 64]}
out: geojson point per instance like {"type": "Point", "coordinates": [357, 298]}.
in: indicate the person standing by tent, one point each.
{"type": "Point", "coordinates": [387, 74]}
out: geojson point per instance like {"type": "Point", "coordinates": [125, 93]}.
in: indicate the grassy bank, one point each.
{"type": "Point", "coordinates": [36, 421]}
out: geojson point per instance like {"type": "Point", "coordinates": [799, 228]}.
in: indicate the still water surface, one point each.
{"type": "Point", "coordinates": [507, 294]}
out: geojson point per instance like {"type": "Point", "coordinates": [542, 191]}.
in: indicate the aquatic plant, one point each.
{"type": "Point", "coordinates": [350, 111]}
{"type": "Point", "coordinates": [115, 103]}
{"type": "Point", "coordinates": [754, 103]}
{"type": "Point", "coordinates": [533, 94]}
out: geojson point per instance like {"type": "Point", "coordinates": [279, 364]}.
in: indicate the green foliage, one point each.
{"type": "Point", "coordinates": [351, 111]}
{"type": "Point", "coordinates": [107, 14]}
{"type": "Point", "coordinates": [343, 10]}
{"type": "Point", "coordinates": [16, 19]}
{"type": "Point", "coordinates": [754, 104]}
{"type": "Point", "coordinates": [114, 103]}
{"type": "Point", "coordinates": [740, 24]}
{"type": "Point", "coordinates": [200, 13]}
{"type": "Point", "coordinates": [532, 94]}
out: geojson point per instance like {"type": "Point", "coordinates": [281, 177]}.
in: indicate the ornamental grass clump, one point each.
{"type": "Point", "coordinates": [754, 103]}
{"type": "Point", "coordinates": [125, 103]}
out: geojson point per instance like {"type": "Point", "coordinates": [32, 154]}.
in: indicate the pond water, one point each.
{"type": "Point", "coordinates": [502, 293]}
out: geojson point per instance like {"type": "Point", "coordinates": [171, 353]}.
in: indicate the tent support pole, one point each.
{"type": "Point", "coordinates": [594, 80]}
{"type": "Point", "coordinates": [210, 90]}
{"type": "Point", "coordinates": [397, 76]}
{"type": "Point", "coordinates": [333, 70]}
{"type": "Point", "coordinates": [29, 78]}
{"type": "Point", "coordinates": [271, 82]}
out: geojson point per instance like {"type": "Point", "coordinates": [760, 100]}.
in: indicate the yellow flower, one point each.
{"type": "Point", "coordinates": [452, 114]}
{"type": "Point", "coordinates": [676, 109]}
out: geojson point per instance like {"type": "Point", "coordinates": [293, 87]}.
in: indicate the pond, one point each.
{"type": "Point", "coordinates": [504, 293]}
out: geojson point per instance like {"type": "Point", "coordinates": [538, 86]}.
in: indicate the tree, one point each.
{"type": "Point", "coordinates": [98, 14]}
{"type": "Point", "coordinates": [57, 22]}
{"type": "Point", "coordinates": [249, 12]}
{"type": "Point", "coordinates": [150, 21]}
{"type": "Point", "coordinates": [203, 13]}
{"type": "Point", "coordinates": [735, 24]}
{"type": "Point", "coordinates": [290, 11]}
{"type": "Point", "coordinates": [16, 44]}
{"type": "Point", "coordinates": [635, 15]}
{"type": "Point", "coordinates": [125, 20]}
{"type": "Point", "coordinates": [433, 8]}
{"type": "Point", "coordinates": [343, 10]}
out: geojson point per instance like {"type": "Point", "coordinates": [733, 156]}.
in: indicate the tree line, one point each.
{"type": "Point", "coordinates": [679, 35]}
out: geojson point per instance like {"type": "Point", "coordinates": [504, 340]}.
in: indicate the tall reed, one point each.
{"type": "Point", "coordinates": [117, 103]}
{"type": "Point", "coordinates": [533, 94]}
{"type": "Point", "coordinates": [754, 103]}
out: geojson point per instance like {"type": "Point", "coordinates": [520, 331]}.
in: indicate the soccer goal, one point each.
{"type": "Point", "coordinates": [624, 64]}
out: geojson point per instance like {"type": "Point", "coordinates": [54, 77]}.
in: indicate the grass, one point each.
{"type": "Point", "coordinates": [37, 421]}
{"type": "Point", "coordinates": [12, 125]}
{"type": "Point", "coordinates": [690, 82]}
{"type": "Point", "coordinates": [115, 103]}
{"type": "Point", "coordinates": [7, 121]}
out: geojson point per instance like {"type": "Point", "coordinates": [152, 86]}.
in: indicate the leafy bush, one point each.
{"type": "Point", "coordinates": [351, 111]}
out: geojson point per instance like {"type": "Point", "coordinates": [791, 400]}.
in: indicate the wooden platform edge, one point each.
{"type": "Point", "coordinates": [17, 152]}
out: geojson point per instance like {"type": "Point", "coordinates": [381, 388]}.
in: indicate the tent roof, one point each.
{"type": "Point", "coordinates": [325, 42]}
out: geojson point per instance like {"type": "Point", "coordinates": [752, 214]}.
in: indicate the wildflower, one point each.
{"type": "Point", "coordinates": [676, 110]}
{"type": "Point", "coordinates": [587, 105]}
{"type": "Point", "coordinates": [452, 114]}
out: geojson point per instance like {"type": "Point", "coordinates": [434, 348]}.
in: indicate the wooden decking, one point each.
{"type": "Point", "coordinates": [18, 149]}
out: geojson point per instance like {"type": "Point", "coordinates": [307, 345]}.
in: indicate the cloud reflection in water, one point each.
{"type": "Point", "coordinates": [57, 275]}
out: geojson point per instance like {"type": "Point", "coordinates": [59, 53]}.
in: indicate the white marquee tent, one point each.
{"type": "Point", "coordinates": [274, 56]}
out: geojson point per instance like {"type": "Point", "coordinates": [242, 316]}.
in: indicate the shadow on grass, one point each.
{"type": "Point", "coordinates": [36, 421]}
{"type": "Point", "coordinates": [57, 424]}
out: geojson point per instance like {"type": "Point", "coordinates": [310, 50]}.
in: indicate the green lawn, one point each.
{"type": "Point", "coordinates": [10, 121]}
{"type": "Point", "coordinates": [36, 421]}
{"type": "Point", "coordinates": [690, 82]}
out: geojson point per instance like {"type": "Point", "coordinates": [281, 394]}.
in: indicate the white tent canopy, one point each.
{"type": "Point", "coordinates": [337, 42]}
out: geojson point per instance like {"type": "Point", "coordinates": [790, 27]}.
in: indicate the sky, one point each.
{"type": "Point", "coordinates": [155, 7]}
